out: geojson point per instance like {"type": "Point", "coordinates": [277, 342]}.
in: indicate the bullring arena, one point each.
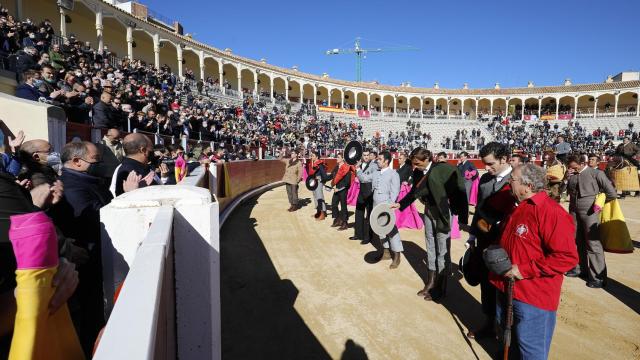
{"type": "Point", "coordinates": [209, 263]}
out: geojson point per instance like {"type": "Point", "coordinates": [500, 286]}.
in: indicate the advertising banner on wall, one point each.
{"type": "Point", "coordinates": [337, 110]}
{"type": "Point", "coordinates": [364, 113]}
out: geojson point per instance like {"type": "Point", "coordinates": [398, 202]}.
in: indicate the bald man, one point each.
{"type": "Point", "coordinates": [36, 160]}
{"type": "Point", "coordinates": [104, 116]}
{"type": "Point", "coordinates": [138, 150]}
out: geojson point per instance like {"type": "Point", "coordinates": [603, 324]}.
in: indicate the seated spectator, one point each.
{"type": "Point", "coordinates": [138, 151]}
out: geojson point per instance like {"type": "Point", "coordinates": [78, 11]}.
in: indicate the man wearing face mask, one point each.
{"type": "Point", "coordinates": [39, 163]}
{"type": "Point", "coordinates": [77, 216]}
{"type": "Point", "coordinates": [28, 90]}
{"type": "Point", "coordinates": [111, 153]}
{"type": "Point", "coordinates": [138, 151]}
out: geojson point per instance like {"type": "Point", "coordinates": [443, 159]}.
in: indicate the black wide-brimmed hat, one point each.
{"type": "Point", "coordinates": [352, 152]}
{"type": "Point", "coordinates": [311, 183]}
{"type": "Point", "coordinates": [471, 266]}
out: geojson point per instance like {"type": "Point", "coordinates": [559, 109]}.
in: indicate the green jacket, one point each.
{"type": "Point", "coordinates": [443, 193]}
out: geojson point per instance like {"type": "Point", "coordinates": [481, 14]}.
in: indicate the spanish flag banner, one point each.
{"type": "Point", "coordinates": [37, 334]}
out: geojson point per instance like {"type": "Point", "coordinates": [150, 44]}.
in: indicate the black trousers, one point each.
{"type": "Point", "coordinates": [362, 228]}
{"type": "Point", "coordinates": [339, 198]}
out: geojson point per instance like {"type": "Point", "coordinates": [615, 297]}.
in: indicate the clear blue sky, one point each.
{"type": "Point", "coordinates": [479, 42]}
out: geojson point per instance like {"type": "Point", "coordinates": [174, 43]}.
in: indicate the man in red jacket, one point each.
{"type": "Point", "coordinates": [539, 238]}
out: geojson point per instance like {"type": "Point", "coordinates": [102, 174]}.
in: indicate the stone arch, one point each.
{"type": "Point", "coordinates": [114, 36]}
{"type": "Point", "coordinates": [230, 75]}
{"type": "Point", "coordinates": [323, 95]}
{"type": "Point", "coordinates": [278, 87]}
{"type": "Point", "coordinates": [264, 85]}
{"type": "Point", "coordinates": [349, 99]}
{"type": "Point", "coordinates": [363, 101]}
{"type": "Point", "coordinates": [307, 93]}
{"type": "Point", "coordinates": [441, 106]}
{"type": "Point", "coordinates": [566, 105]}
{"type": "Point", "coordinates": [248, 81]}
{"type": "Point", "coordinates": [627, 103]}
{"type": "Point", "coordinates": [295, 92]}
{"type": "Point", "coordinates": [606, 103]}
{"type": "Point", "coordinates": [455, 107]}
{"type": "Point", "coordinates": [499, 106]}
{"type": "Point", "coordinates": [514, 108]}
{"type": "Point", "coordinates": [402, 105]}
{"type": "Point", "coordinates": [388, 103]}
{"type": "Point", "coordinates": [531, 106]}
{"type": "Point", "coordinates": [469, 108]}
{"type": "Point", "coordinates": [191, 62]}
{"type": "Point", "coordinates": [585, 105]}
{"type": "Point", "coordinates": [548, 106]}
{"type": "Point", "coordinates": [429, 106]}
{"type": "Point", "coordinates": [376, 102]}
{"type": "Point", "coordinates": [484, 106]}
{"type": "Point", "coordinates": [414, 106]}
{"type": "Point", "coordinates": [169, 55]}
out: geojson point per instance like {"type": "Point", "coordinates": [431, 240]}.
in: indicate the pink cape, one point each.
{"type": "Point", "coordinates": [408, 218]}
{"type": "Point", "coordinates": [455, 228]}
{"type": "Point", "coordinates": [473, 194]}
{"type": "Point", "coordinates": [305, 175]}
{"type": "Point", "coordinates": [352, 195]}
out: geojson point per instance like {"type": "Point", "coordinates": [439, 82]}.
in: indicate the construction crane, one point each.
{"type": "Point", "coordinates": [362, 53]}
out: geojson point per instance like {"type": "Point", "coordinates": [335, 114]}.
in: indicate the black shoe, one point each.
{"type": "Point", "coordinates": [365, 242]}
{"type": "Point", "coordinates": [575, 272]}
{"type": "Point", "coordinates": [354, 238]}
{"type": "Point", "coordinates": [595, 284]}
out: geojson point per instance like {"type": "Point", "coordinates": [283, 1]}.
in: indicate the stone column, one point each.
{"type": "Point", "coordinates": [315, 94]}
{"type": "Point", "coordinates": [239, 82]}
{"type": "Point", "coordinates": [539, 107]}
{"type": "Point", "coordinates": [271, 88]}
{"type": "Point", "coordinates": [179, 54]}
{"type": "Point", "coordinates": [99, 28]}
{"type": "Point", "coordinates": [369, 102]}
{"type": "Point", "coordinates": [342, 94]}
{"type": "Point", "coordinates": [638, 105]}
{"type": "Point", "coordinates": [255, 84]}
{"type": "Point", "coordinates": [63, 23]}
{"type": "Point", "coordinates": [395, 105]}
{"type": "Point", "coordinates": [595, 108]}
{"type": "Point", "coordinates": [286, 89]}
{"type": "Point", "coordinates": [557, 109]}
{"type": "Point", "coordinates": [202, 66]}
{"type": "Point", "coordinates": [575, 107]}
{"type": "Point", "coordinates": [448, 109]}
{"type": "Point", "coordinates": [130, 42]}
{"type": "Point", "coordinates": [221, 72]}
{"type": "Point", "coordinates": [615, 105]}
{"type": "Point", "coordinates": [421, 108]}
{"type": "Point", "coordinates": [156, 50]}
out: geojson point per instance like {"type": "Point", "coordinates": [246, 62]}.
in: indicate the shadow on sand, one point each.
{"type": "Point", "coordinates": [259, 320]}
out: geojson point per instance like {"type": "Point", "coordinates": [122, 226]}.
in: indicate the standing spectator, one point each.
{"type": "Point", "coordinates": [538, 239]}
{"type": "Point", "coordinates": [78, 217]}
{"type": "Point", "coordinates": [562, 149]}
{"type": "Point", "coordinates": [583, 187]}
{"type": "Point", "coordinates": [103, 113]}
{"type": "Point", "coordinates": [292, 177]}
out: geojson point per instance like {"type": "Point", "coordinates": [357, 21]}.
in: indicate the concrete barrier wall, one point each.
{"type": "Point", "coordinates": [37, 120]}
{"type": "Point", "coordinates": [237, 177]}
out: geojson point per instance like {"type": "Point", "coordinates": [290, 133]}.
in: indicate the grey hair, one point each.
{"type": "Point", "coordinates": [533, 175]}
{"type": "Point", "coordinates": [74, 150]}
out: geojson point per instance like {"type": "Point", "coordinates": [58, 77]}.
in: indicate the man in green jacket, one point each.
{"type": "Point", "coordinates": [441, 188]}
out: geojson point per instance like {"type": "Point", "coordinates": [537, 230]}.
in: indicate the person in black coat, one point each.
{"type": "Point", "coordinates": [78, 217]}
{"type": "Point", "coordinates": [406, 170]}
{"type": "Point", "coordinates": [103, 114]}
{"type": "Point", "coordinates": [138, 151]}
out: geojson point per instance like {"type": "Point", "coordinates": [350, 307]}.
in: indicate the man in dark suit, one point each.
{"type": "Point", "coordinates": [365, 198]}
{"type": "Point", "coordinates": [495, 203]}
{"type": "Point", "coordinates": [27, 90]}
{"type": "Point", "coordinates": [103, 113]}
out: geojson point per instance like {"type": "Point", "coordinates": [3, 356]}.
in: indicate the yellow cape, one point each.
{"type": "Point", "coordinates": [613, 228]}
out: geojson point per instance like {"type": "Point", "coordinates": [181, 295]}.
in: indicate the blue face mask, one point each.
{"type": "Point", "coordinates": [37, 83]}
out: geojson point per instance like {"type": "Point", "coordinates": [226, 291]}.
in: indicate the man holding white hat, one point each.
{"type": "Point", "coordinates": [386, 187]}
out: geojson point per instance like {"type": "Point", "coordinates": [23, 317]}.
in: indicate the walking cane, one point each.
{"type": "Point", "coordinates": [509, 320]}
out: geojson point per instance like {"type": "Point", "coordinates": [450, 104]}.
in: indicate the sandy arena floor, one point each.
{"type": "Point", "coordinates": [294, 288]}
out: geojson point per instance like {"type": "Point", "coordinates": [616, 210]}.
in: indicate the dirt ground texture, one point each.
{"type": "Point", "coordinates": [294, 288]}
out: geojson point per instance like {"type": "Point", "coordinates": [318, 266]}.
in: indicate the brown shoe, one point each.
{"type": "Point", "coordinates": [336, 222]}
{"type": "Point", "coordinates": [291, 208]}
{"type": "Point", "coordinates": [316, 214]}
{"type": "Point", "coordinates": [344, 226]}
{"type": "Point", "coordinates": [396, 260]}
{"type": "Point", "coordinates": [322, 216]}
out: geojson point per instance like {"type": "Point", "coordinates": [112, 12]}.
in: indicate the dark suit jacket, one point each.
{"type": "Point", "coordinates": [495, 202]}
{"type": "Point", "coordinates": [585, 186]}
{"type": "Point", "coordinates": [25, 91]}
{"type": "Point", "coordinates": [103, 116]}
{"type": "Point", "coordinates": [467, 166]}
{"type": "Point", "coordinates": [405, 172]}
